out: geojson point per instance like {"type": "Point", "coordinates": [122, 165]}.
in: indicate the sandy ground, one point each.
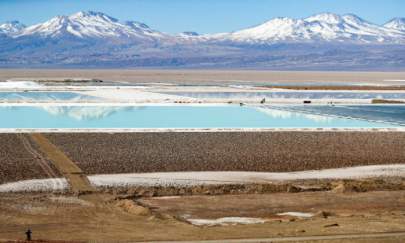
{"type": "Point", "coordinates": [344, 204]}
{"type": "Point", "coordinates": [102, 218]}
{"type": "Point", "coordinates": [203, 76]}
{"type": "Point", "coordinates": [123, 215]}
{"type": "Point", "coordinates": [340, 208]}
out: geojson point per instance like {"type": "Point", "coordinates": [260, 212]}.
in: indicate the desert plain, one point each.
{"type": "Point", "coordinates": [337, 207]}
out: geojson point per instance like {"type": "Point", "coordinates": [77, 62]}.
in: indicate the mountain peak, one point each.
{"type": "Point", "coordinates": [330, 18]}
{"type": "Point", "coordinates": [91, 25]}
{"type": "Point", "coordinates": [189, 33]}
{"type": "Point", "coordinates": [52, 27]}
{"type": "Point", "coordinates": [92, 14]}
{"type": "Point", "coordinates": [396, 23]}
{"type": "Point", "coordinates": [280, 20]}
{"type": "Point", "coordinates": [275, 24]}
{"type": "Point", "coordinates": [90, 38]}
{"type": "Point", "coordinates": [352, 18]}
{"type": "Point", "coordinates": [324, 27]}
{"type": "Point", "coordinates": [11, 27]}
{"type": "Point", "coordinates": [88, 13]}
{"type": "Point", "coordinates": [13, 22]}
{"type": "Point", "coordinates": [137, 25]}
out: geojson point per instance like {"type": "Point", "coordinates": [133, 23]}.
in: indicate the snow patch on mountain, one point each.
{"type": "Point", "coordinates": [91, 25]}
{"type": "Point", "coordinates": [11, 27]}
{"type": "Point", "coordinates": [189, 33]}
{"type": "Point", "coordinates": [329, 18]}
{"type": "Point", "coordinates": [322, 27]}
{"type": "Point", "coordinates": [327, 27]}
{"type": "Point", "coordinates": [324, 41]}
{"type": "Point", "coordinates": [396, 23]}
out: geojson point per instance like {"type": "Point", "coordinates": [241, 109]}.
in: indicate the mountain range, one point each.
{"type": "Point", "coordinates": [324, 41]}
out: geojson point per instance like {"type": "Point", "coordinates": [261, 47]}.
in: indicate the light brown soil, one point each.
{"type": "Point", "coordinates": [105, 220]}
{"type": "Point", "coordinates": [379, 101]}
{"type": "Point", "coordinates": [77, 179]}
{"type": "Point", "coordinates": [296, 186]}
{"type": "Point", "coordinates": [121, 218]}
{"type": "Point", "coordinates": [335, 204]}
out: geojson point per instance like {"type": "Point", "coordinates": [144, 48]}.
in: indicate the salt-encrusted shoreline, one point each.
{"type": "Point", "coordinates": [207, 178]}
{"type": "Point", "coordinates": [35, 185]}
{"type": "Point", "coordinates": [193, 130]}
{"type": "Point", "coordinates": [160, 93]}
{"type": "Point", "coordinates": [229, 177]}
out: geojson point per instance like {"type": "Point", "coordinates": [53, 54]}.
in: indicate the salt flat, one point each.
{"type": "Point", "coordinates": [204, 76]}
{"type": "Point", "coordinates": [190, 179]}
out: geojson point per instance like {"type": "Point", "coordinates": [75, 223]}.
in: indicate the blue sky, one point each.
{"type": "Point", "coordinates": [203, 16]}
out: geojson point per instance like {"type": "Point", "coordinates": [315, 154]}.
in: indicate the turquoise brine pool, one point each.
{"type": "Point", "coordinates": [226, 116]}
{"type": "Point", "coordinates": [393, 114]}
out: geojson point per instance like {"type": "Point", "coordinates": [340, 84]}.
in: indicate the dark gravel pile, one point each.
{"type": "Point", "coordinates": [16, 163]}
{"type": "Point", "coordinates": [226, 151]}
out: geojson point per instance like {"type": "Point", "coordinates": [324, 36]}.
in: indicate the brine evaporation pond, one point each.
{"type": "Point", "coordinates": [172, 116]}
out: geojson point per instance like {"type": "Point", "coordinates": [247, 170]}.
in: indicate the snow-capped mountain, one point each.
{"type": "Point", "coordinates": [320, 42]}
{"type": "Point", "coordinates": [396, 23]}
{"type": "Point", "coordinates": [322, 27]}
{"type": "Point", "coordinates": [11, 28]}
{"type": "Point", "coordinates": [188, 37]}
{"type": "Point", "coordinates": [90, 25]}
{"type": "Point", "coordinates": [188, 33]}
{"type": "Point", "coordinates": [327, 27]}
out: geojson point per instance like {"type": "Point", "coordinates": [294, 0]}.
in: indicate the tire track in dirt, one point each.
{"type": "Point", "coordinates": [43, 163]}
{"type": "Point", "coordinates": [78, 181]}
{"type": "Point", "coordinates": [41, 160]}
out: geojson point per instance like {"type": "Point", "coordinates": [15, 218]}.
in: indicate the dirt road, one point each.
{"type": "Point", "coordinates": [400, 236]}
{"type": "Point", "coordinates": [42, 162]}
{"type": "Point", "coordinates": [77, 179]}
